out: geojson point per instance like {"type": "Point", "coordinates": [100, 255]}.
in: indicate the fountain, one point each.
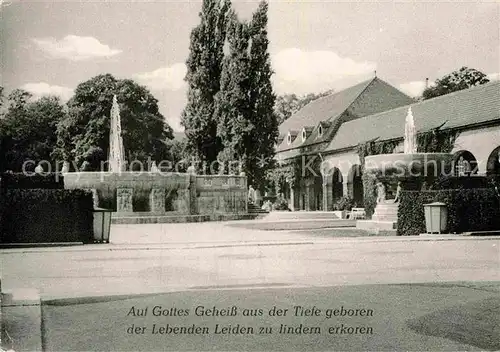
{"type": "Point", "coordinates": [153, 195]}
{"type": "Point", "coordinates": [409, 170]}
{"type": "Point", "coordinates": [116, 160]}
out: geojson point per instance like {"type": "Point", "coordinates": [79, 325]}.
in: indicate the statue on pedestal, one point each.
{"type": "Point", "coordinates": [398, 193]}
{"type": "Point", "coordinates": [39, 169]}
{"type": "Point", "coordinates": [252, 196]}
{"type": "Point", "coordinates": [380, 192]}
{"type": "Point", "coordinates": [154, 168]}
{"type": "Point", "coordinates": [65, 167]}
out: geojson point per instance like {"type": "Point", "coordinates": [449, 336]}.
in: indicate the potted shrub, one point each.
{"type": "Point", "coordinates": [342, 206]}
{"type": "Point", "coordinates": [281, 204]}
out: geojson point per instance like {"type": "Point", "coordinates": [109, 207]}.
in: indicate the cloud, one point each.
{"type": "Point", "coordinates": [413, 89]}
{"type": "Point", "coordinates": [75, 48]}
{"type": "Point", "coordinates": [301, 72]}
{"type": "Point", "coordinates": [493, 76]}
{"type": "Point", "coordinates": [40, 89]}
{"type": "Point", "coordinates": [175, 123]}
{"type": "Point", "coordinates": [165, 78]}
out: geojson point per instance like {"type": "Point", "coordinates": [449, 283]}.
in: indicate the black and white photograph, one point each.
{"type": "Point", "coordinates": [249, 175]}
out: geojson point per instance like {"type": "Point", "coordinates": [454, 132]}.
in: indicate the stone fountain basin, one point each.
{"type": "Point", "coordinates": [401, 165]}
{"type": "Point", "coordinates": [106, 184]}
{"type": "Point", "coordinates": [135, 180]}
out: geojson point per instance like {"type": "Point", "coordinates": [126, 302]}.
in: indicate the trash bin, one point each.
{"type": "Point", "coordinates": [436, 217]}
{"type": "Point", "coordinates": [102, 224]}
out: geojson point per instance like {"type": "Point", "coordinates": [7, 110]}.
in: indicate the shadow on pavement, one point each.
{"type": "Point", "coordinates": [385, 317]}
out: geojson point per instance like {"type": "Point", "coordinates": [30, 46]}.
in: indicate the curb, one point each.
{"type": "Point", "coordinates": [21, 319]}
{"type": "Point", "coordinates": [193, 246]}
{"type": "Point", "coordinates": [39, 245]}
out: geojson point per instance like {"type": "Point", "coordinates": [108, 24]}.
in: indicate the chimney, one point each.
{"type": "Point", "coordinates": [427, 83]}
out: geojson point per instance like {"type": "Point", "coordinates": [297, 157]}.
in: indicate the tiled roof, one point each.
{"type": "Point", "coordinates": [475, 105]}
{"type": "Point", "coordinates": [324, 108]}
{"type": "Point", "coordinates": [314, 137]}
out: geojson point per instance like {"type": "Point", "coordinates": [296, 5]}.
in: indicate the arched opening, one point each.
{"type": "Point", "coordinates": [493, 165]}
{"type": "Point", "coordinates": [355, 184]}
{"type": "Point", "coordinates": [337, 186]}
{"type": "Point", "coordinates": [464, 163]}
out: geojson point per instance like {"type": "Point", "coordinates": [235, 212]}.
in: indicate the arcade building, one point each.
{"type": "Point", "coordinates": [319, 151]}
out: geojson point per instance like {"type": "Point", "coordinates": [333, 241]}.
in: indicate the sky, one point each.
{"type": "Point", "coordinates": [49, 47]}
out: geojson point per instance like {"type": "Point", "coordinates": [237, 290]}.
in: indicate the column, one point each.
{"type": "Point", "coordinates": [124, 200]}
{"type": "Point", "coordinates": [157, 200]}
{"type": "Point", "coordinates": [292, 198]}
{"type": "Point", "coordinates": [327, 196]}
{"type": "Point", "coordinates": [300, 192]}
{"type": "Point", "coordinates": [345, 187]}
{"type": "Point", "coordinates": [183, 201]}
{"type": "Point", "coordinates": [310, 197]}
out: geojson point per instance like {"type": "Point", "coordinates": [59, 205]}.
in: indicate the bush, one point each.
{"type": "Point", "coordinates": [20, 180]}
{"type": "Point", "coordinates": [468, 210]}
{"type": "Point", "coordinates": [344, 203]}
{"type": "Point", "coordinates": [281, 204]}
{"type": "Point", "coordinates": [46, 215]}
{"type": "Point", "coordinates": [461, 182]}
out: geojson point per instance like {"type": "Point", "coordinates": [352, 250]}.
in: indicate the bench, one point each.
{"type": "Point", "coordinates": [357, 213]}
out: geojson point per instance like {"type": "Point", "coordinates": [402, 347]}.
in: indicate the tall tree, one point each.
{"type": "Point", "coordinates": [247, 124]}
{"type": "Point", "coordinates": [233, 110]}
{"type": "Point", "coordinates": [457, 80]}
{"type": "Point", "coordinates": [204, 67]}
{"type": "Point", "coordinates": [84, 135]}
{"type": "Point", "coordinates": [28, 130]}
{"type": "Point", "coordinates": [260, 149]}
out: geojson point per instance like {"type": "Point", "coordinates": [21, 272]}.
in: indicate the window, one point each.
{"type": "Point", "coordinates": [289, 138]}
{"type": "Point", "coordinates": [320, 131]}
{"type": "Point", "coordinates": [304, 135]}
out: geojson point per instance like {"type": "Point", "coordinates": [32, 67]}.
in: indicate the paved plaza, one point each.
{"type": "Point", "coordinates": [426, 292]}
{"type": "Point", "coordinates": [178, 257]}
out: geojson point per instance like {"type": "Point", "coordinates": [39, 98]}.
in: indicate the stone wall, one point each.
{"type": "Point", "coordinates": [221, 194]}
{"type": "Point", "coordinates": [155, 193]}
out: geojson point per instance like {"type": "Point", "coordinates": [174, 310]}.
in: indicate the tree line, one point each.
{"type": "Point", "coordinates": [78, 131]}
{"type": "Point", "coordinates": [232, 113]}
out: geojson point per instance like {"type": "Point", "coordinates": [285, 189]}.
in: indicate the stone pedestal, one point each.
{"type": "Point", "coordinates": [385, 217]}
{"type": "Point", "coordinates": [157, 200]}
{"type": "Point", "coordinates": [386, 212]}
{"type": "Point", "coordinates": [124, 200]}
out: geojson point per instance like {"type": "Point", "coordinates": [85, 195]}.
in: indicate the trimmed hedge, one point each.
{"type": "Point", "coordinates": [369, 193]}
{"type": "Point", "coordinates": [22, 181]}
{"type": "Point", "coordinates": [461, 182]}
{"type": "Point", "coordinates": [468, 210]}
{"type": "Point", "coordinates": [46, 215]}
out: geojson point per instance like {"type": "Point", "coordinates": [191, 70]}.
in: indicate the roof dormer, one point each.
{"type": "Point", "coordinates": [290, 137]}
{"type": "Point", "coordinates": [306, 132]}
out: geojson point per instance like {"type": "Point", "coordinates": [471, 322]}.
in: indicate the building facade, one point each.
{"type": "Point", "coordinates": [320, 144]}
